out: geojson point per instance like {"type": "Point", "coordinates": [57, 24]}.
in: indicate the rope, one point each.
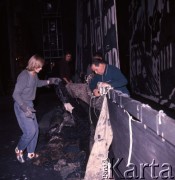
{"type": "Point", "coordinates": [90, 118]}
{"type": "Point", "coordinates": [130, 139]}
{"type": "Point", "coordinates": [159, 119]}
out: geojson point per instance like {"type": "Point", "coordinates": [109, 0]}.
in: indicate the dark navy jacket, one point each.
{"type": "Point", "coordinates": [112, 76]}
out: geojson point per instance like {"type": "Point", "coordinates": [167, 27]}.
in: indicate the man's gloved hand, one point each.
{"type": "Point", "coordinates": [29, 111]}
{"type": "Point", "coordinates": [68, 107]}
{"type": "Point", "coordinates": [103, 87]}
{"type": "Point", "coordinates": [55, 81]}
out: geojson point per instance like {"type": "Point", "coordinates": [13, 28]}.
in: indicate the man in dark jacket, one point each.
{"type": "Point", "coordinates": [107, 75]}
{"type": "Point", "coordinates": [65, 69]}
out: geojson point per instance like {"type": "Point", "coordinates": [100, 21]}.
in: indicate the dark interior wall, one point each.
{"type": "Point", "coordinates": [69, 25]}
{"type": "Point", "coordinates": [122, 10]}
{"type": "Point", "coordinates": [32, 22]}
{"type": "Point", "coordinates": [69, 29]}
{"type": "Point", "coordinates": [21, 35]}
{"type": "Point", "coordinates": [27, 24]}
{"type": "Point", "coordinates": [31, 13]}
{"type": "Point", "coordinates": [3, 32]}
{"type": "Point", "coordinates": [4, 49]}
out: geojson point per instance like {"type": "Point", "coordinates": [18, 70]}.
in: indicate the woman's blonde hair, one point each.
{"type": "Point", "coordinates": [35, 62]}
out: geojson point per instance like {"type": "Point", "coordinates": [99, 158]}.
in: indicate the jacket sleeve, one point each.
{"type": "Point", "coordinates": [93, 83]}
{"type": "Point", "coordinates": [41, 83]}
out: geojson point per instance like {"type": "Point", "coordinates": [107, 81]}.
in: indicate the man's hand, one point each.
{"type": "Point", "coordinates": [67, 81]}
{"type": "Point", "coordinates": [96, 92]}
{"type": "Point", "coordinates": [103, 87]}
{"type": "Point", "coordinates": [68, 107]}
{"type": "Point", "coordinates": [29, 111]}
{"type": "Point", "coordinates": [55, 81]}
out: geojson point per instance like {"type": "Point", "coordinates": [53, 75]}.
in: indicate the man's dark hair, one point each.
{"type": "Point", "coordinates": [67, 52]}
{"type": "Point", "coordinates": [98, 54]}
{"type": "Point", "coordinates": [97, 61]}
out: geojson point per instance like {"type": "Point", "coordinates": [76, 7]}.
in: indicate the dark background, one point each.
{"type": "Point", "coordinates": [21, 35]}
{"type": "Point", "coordinates": [29, 14]}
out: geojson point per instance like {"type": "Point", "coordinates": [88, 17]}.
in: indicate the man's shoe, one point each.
{"type": "Point", "coordinates": [31, 156]}
{"type": "Point", "coordinates": [19, 155]}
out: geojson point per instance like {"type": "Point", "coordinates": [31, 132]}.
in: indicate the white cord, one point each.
{"type": "Point", "coordinates": [93, 104]}
{"type": "Point", "coordinates": [130, 138]}
{"type": "Point", "coordinates": [90, 118]}
{"type": "Point", "coordinates": [159, 120]}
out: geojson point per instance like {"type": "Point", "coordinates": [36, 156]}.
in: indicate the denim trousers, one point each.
{"type": "Point", "coordinates": [29, 128]}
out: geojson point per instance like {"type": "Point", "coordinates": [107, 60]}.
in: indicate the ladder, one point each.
{"type": "Point", "coordinates": [52, 30]}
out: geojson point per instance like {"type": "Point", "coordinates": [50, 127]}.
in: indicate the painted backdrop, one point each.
{"type": "Point", "coordinates": [152, 50]}
{"type": "Point", "coordinates": [96, 31]}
